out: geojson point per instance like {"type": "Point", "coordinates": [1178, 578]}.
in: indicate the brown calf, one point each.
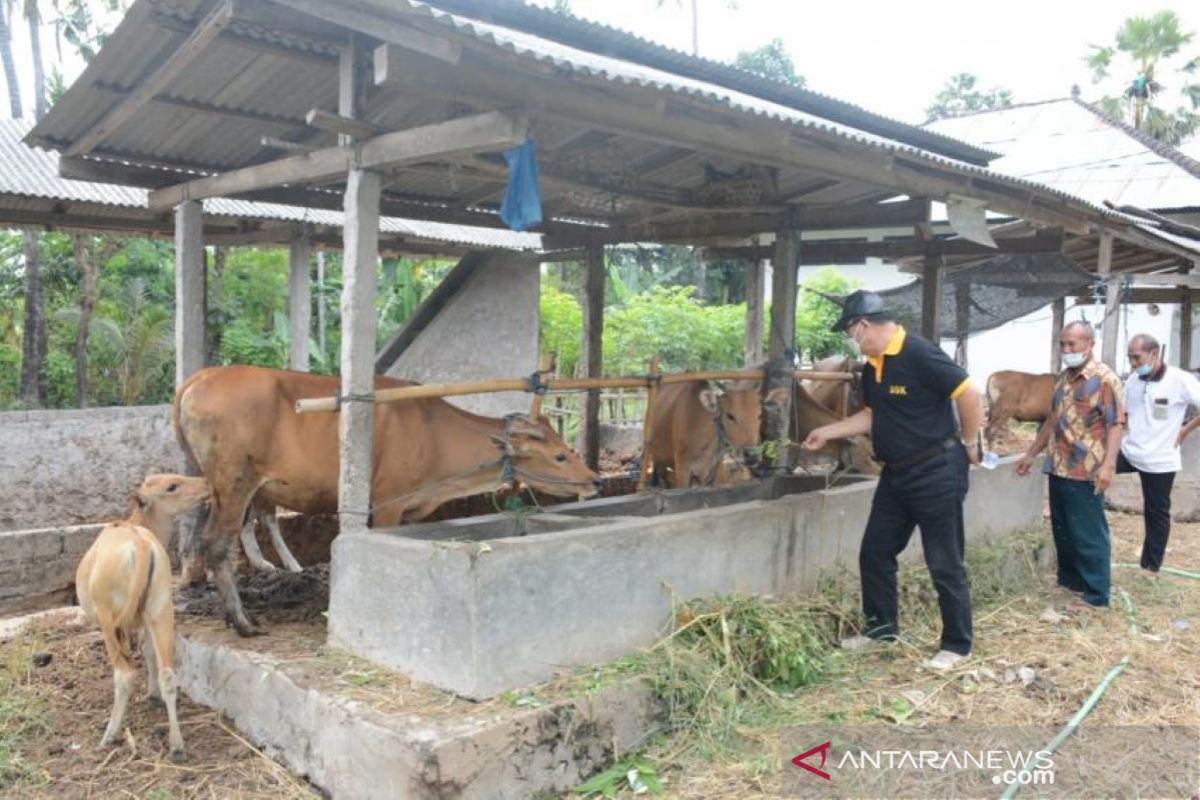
{"type": "Point", "coordinates": [124, 584]}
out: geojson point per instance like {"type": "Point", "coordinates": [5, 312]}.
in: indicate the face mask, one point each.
{"type": "Point", "coordinates": [854, 342]}
{"type": "Point", "coordinates": [1144, 370]}
{"type": "Point", "coordinates": [1073, 360]}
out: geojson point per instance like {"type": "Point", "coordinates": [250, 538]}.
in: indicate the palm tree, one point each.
{"type": "Point", "coordinates": [1148, 42]}
{"type": "Point", "coordinates": [6, 56]}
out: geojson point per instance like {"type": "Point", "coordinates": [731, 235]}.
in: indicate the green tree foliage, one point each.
{"type": "Point", "coordinates": [1151, 60]}
{"type": "Point", "coordinates": [959, 96]}
{"type": "Point", "coordinates": [771, 61]}
{"type": "Point", "coordinates": [560, 325]}
{"type": "Point", "coordinates": [669, 322]}
{"type": "Point", "coordinates": [815, 315]}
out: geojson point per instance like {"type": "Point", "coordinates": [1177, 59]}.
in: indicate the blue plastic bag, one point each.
{"type": "Point", "coordinates": [521, 208]}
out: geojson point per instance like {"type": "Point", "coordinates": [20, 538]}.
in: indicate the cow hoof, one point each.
{"type": "Point", "coordinates": [155, 700]}
{"type": "Point", "coordinates": [247, 630]}
{"type": "Point", "coordinates": [178, 756]}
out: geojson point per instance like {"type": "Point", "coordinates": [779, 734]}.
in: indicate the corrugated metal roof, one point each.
{"type": "Point", "coordinates": [1071, 146]}
{"type": "Point", "coordinates": [614, 70]}
{"type": "Point", "coordinates": [33, 172]}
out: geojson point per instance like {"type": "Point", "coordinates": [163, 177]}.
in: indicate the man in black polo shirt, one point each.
{"type": "Point", "coordinates": [910, 388]}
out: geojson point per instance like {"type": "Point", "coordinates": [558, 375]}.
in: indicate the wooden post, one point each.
{"type": "Point", "coordinates": [1058, 318]}
{"type": "Point", "coordinates": [753, 347]}
{"type": "Point", "coordinates": [931, 297]}
{"type": "Point", "coordinates": [1112, 302]}
{"type": "Point", "coordinates": [299, 300]}
{"type": "Point", "coordinates": [1185, 322]}
{"type": "Point", "coordinates": [592, 356]}
{"type": "Point", "coordinates": [361, 252]}
{"type": "Point", "coordinates": [781, 348]}
{"type": "Point", "coordinates": [962, 321]}
{"type": "Point", "coordinates": [647, 427]}
{"type": "Point", "coordinates": [189, 290]}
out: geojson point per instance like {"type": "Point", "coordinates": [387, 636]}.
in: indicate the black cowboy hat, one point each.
{"type": "Point", "coordinates": [860, 305]}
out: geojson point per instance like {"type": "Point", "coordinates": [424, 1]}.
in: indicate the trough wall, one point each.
{"type": "Point", "coordinates": [486, 616]}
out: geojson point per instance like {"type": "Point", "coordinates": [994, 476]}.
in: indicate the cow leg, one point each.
{"type": "Point", "coordinates": [153, 692]}
{"type": "Point", "coordinates": [218, 551]}
{"type": "Point", "coordinates": [285, 555]}
{"type": "Point", "coordinates": [250, 545]}
{"type": "Point", "coordinates": [159, 636]}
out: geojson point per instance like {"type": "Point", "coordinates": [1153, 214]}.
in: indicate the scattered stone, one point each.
{"type": "Point", "coordinates": [42, 659]}
{"type": "Point", "coordinates": [1051, 616]}
{"type": "Point", "coordinates": [1180, 625]}
{"type": "Point", "coordinates": [1027, 675]}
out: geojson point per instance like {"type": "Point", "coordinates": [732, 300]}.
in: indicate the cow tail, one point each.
{"type": "Point", "coordinates": [991, 395]}
{"type": "Point", "coordinates": [143, 567]}
{"type": "Point", "coordinates": [193, 466]}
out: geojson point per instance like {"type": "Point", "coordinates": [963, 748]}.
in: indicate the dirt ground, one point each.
{"type": "Point", "coordinates": [52, 715]}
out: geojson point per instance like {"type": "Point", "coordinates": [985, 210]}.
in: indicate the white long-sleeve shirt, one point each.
{"type": "Point", "coordinates": [1155, 412]}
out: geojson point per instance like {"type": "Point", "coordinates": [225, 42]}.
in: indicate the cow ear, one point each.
{"type": "Point", "coordinates": [777, 396]}
{"type": "Point", "coordinates": [710, 400]}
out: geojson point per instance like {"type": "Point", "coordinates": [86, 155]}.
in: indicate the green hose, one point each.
{"type": "Point", "coordinates": [1129, 612]}
{"type": "Point", "coordinates": [1168, 570]}
{"type": "Point", "coordinates": [1072, 724]}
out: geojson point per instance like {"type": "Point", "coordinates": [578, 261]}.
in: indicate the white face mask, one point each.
{"type": "Point", "coordinates": [1073, 360]}
{"type": "Point", "coordinates": [853, 340]}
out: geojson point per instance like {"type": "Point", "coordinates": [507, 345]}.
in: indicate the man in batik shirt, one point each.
{"type": "Point", "coordinates": [1084, 433]}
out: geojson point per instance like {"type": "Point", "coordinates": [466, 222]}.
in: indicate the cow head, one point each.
{"type": "Point", "coordinates": [541, 459]}
{"type": "Point", "coordinates": [737, 414]}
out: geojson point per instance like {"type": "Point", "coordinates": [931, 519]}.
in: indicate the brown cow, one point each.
{"type": "Point", "coordinates": [843, 398]}
{"type": "Point", "coordinates": [239, 426]}
{"type": "Point", "coordinates": [809, 414]}
{"type": "Point", "coordinates": [1022, 396]}
{"type": "Point", "coordinates": [124, 584]}
{"type": "Point", "coordinates": [702, 432]}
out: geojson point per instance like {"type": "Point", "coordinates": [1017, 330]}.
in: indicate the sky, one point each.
{"type": "Point", "coordinates": [892, 57]}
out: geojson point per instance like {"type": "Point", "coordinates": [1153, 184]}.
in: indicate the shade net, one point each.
{"type": "Point", "coordinates": [989, 293]}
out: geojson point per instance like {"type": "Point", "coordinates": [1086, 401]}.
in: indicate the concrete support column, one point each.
{"type": "Point", "coordinates": [1058, 318]}
{"type": "Point", "coordinates": [931, 297]}
{"type": "Point", "coordinates": [1185, 320]}
{"type": "Point", "coordinates": [1112, 302]}
{"type": "Point", "coordinates": [753, 347]}
{"type": "Point", "coordinates": [781, 347]}
{"type": "Point", "coordinates": [299, 300]}
{"type": "Point", "coordinates": [355, 430]}
{"type": "Point", "coordinates": [593, 345]}
{"type": "Point", "coordinates": [189, 290]}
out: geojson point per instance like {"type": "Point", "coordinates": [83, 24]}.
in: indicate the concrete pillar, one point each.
{"type": "Point", "coordinates": [299, 300]}
{"type": "Point", "coordinates": [754, 312]}
{"type": "Point", "coordinates": [776, 417]}
{"type": "Point", "coordinates": [1058, 318]}
{"type": "Point", "coordinates": [1112, 302]}
{"type": "Point", "coordinates": [1185, 321]}
{"type": "Point", "coordinates": [189, 290]}
{"type": "Point", "coordinates": [931, 297]}
{"type": "Point", "coordinates": [361, 253]}
{"type": "Point", "coordinates": [593, 350]}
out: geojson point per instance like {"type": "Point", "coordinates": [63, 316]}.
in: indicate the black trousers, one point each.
{"type": "Point", "coordinates": [929, 495]}
{"type": "Point", "coordinates": [1156, 511]}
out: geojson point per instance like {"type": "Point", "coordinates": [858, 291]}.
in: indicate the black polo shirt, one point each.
{"type": "Point", "coordinates": [909, 390]}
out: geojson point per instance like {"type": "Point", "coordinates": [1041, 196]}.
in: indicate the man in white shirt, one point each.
{"type": "Point", "coordinates": [1156, 398]}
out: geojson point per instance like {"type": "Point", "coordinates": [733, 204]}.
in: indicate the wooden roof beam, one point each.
{"type": "Point", "coordinates": [834, 252]}
{"type": "Point", "coordinates": [318, 52]}
{"type": "Point", "coordinates": [336, 123]}
{"type": "Point", "coordinates": [158, 80]}
{"type": "Point", "coordinates": [688, 122]}
{"type": "Point", "coordinates": [493, 130]}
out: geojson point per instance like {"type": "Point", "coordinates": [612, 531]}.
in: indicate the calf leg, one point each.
{"type": "Point", "coordinates": [148, 655]}
{"type": "Point", "coordinates": [160, 631]}
{"type": "Point", "coordinates": [124, 676]}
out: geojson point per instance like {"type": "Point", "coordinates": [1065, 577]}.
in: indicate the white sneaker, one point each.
{"type": "Point", "coordinates": [945, 660]}
{"type": "Point", "coordinates": [861, 642]}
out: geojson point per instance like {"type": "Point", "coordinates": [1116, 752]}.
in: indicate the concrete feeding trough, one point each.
{"type": "Point", "coordinates": [485, 605]}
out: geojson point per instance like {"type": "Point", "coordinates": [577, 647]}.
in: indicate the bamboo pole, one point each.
{"type": "Point", "coordinates": [320, 404]}
{"type": "Point", "coordinates": [647, 428]}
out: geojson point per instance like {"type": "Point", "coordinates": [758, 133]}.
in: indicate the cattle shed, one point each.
{"type": "Point", "coordinates": [374, 108]}
{"type": "Point", "coordinates": [402, 108]}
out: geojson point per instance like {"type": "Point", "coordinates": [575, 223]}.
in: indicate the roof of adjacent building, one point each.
{"type": "Point", "coordinates": [1074, 147]}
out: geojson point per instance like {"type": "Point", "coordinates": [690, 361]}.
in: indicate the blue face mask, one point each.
{"type": "Point", "coordinates": [1144, 370]}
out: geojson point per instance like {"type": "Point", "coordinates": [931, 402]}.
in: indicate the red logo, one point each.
{"type": "Point", "coordinates": [823, 749]}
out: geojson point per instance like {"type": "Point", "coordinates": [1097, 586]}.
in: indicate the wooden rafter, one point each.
{"type": "Point", "coordinates": [207, 108]}
{"type": "Point", "coordinates": [493, 130]}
